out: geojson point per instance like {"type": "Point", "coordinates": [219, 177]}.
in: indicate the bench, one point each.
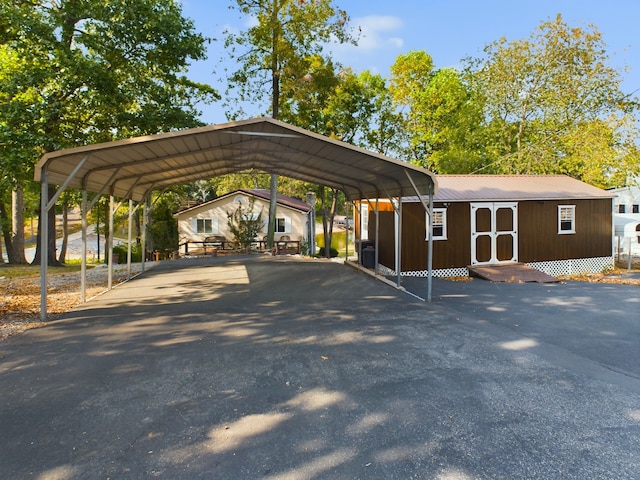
{"type": "Point", "coordinates": [286, 246]}
{"type": "Point", "coordinates": [215, 242]}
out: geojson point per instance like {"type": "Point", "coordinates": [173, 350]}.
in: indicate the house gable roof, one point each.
{"type": "Point", "coordinates": [263, 194]}
{"type": "Point", "coordinates": [481, 188]}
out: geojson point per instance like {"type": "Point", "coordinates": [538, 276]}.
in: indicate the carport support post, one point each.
{"type": "Point", "coordinates": [110, 245]}
{"type": "Point", "coordinates": [44, 240]}
{"type": "Point", "coordinates": [129, 238]}
{"type": "Point", "coordinates": [83, 260]}
{"type": "Point", "coordinates": [430, 245]}
{"type": "Point", "coordinates": [375, 268]}
{"type": "Point", "coordinates": [145, 210]}
{"type": "Point", "coordinates": [399, 243]}
{"type": "Point", "coordinates": [429, 209]}
{"type": "Point", "coordinates": [346, 233]}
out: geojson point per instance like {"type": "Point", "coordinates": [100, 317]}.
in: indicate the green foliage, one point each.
{"type": "Point", "coordinates": [442, 115]}
{"type": "Point", "coordinates": [338, 243]}
{"type": "Point", "coordinates": [80, 72]}
{"type": "Point", "coordinates": [164, 227]}
{"type": "Point", "coordinates": [554, 105]}
{"type": "Point", "coordinates": [121, 251]}
{"type": "Point", "coordinates": [277, 48]}
{"type": "Point", "coordinates": [244, 224]}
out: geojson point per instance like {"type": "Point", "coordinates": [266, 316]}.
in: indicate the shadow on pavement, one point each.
{"type": "Point", "coordinates": [282, 368]}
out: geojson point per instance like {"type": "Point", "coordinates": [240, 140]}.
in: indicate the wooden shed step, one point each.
{"type": "Point", "coordinates": [511, 273]}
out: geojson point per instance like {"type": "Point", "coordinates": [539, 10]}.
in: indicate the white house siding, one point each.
{"type": "Point", "coordinates": [629, 197]}
{"type": "Point", "coordinates": [217, 210]}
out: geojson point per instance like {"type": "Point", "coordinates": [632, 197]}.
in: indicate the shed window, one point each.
{"type": "Point", "coordinates": [439, 224]}
{"type": "Point", "coordinates": [206, 225]}
{"type": "Point", "coordinates": [566, 219]}
{"type": "Point", "coordinates": [364, 221]}
{"type": "Point", "coordinates": [635, 208]}
{"type": "Point", "coordinates": [622, 208]}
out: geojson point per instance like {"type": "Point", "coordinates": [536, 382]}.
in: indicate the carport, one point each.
{"type": "Point", "coordinates": [130, 170]}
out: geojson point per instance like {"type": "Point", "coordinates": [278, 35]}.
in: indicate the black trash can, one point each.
{"type": "Point", "coordinates": [360, 247]}
{"type": "Point", "coordinates": [369, 257]}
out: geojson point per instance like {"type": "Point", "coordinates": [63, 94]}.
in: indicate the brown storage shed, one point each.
{"type": "Point", "coordinates": [555, 224]}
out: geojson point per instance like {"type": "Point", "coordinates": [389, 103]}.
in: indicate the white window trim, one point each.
{"type": "Point", "coordinates": [241, 200]}
{"type": "Point", "coordinates": [287, 224]}
{"type": "Point", "coordinates": [430, 227]}
{"type": "Point", "coordinates": [214, 226]}
{"type": "Point", "coordinates": [572, 209]}
{"type": "Point", "coordinates": [364, 221]}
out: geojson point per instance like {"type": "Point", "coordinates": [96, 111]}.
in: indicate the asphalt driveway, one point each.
{"type": "Point", "coordinates": [280, 368]}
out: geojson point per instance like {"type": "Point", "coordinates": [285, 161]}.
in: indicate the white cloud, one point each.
{"type": "Point", "coordinates": [379, 42]}
{"type": "Point", "coordinates": [375, 32]}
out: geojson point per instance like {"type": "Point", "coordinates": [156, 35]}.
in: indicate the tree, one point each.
{"type": "Point", "coordinates": [276, 50]}
{"type": "Point", "coordinates": [244, 224]}
{"type": "Point", "coordinates": [87, 71]}
{"type": "Point", "coordinates": [554, 105]}
{"type": "Point", "coordinates": [164, 229]}
{"type": "Point", "coordinates": [442, 114]}
{"type": "Point", "coordinates": [337, 103]}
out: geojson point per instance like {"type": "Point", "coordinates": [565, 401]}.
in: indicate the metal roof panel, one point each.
{"type": "Point", "coordinates": [133, 167]}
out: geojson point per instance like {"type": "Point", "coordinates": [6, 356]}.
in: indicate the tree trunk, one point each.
{"type": "Point", "coordinates": [327, 218]}
{"type": "Point", "coordinates": [6, 234]}
{"type": "Point", "coordinates": [65, 233]}
{"type": "Point", "coordinates": [325, 226]}
{"type": "Point", "coordinates": [52, 261]}
{"type": "Point", "coordinates": [332, 212]}
{"type": "Point", "coordinates": [138, 228]}
{"type": "Point", "coordinates": [17, 227]}
{"type": "Point", "coordinates": [275, 113]}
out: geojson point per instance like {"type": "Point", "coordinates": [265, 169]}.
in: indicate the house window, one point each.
{"type": "Point", "coordinates": [206, 225]}
{"type": "Point", "coordinates": [635, 208]}
{"type": "Point", "coordinates": [240, 200]}
{"type": "Point", "coordinates": [283, 225]}
{"type": "Point", "coordinates": [566, 219]}
{"type": "Point", "coordinates": [622, 208]}
{"type": "Point", "coordinates": [439, 224]}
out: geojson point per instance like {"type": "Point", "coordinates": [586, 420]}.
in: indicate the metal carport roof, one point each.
{"type": "Point", "coordinates": [132, 168]}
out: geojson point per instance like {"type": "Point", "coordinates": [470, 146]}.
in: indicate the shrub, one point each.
{"type": "Point", "coordinates": [121, 250]}
{"type": "Point", "coordinates": [332, 252]}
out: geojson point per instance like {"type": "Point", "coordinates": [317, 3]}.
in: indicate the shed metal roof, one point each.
{"type": "Point", "coordinates": [132, 168]}
{"type": "Point", "coordinates": [495, 188]}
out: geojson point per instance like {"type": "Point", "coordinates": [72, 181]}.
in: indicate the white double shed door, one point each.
{"type": "Point", "coordinates": [494, 233]}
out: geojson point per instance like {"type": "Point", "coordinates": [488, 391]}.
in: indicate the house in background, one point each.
{"type": "Point", "coordinates": [554, 223]}
{"type": "Point", "coordinates": [209, 220]}
{"type": "Point", "coordinates": [626, 214]}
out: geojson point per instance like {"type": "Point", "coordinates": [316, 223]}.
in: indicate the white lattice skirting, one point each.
{"type": "Point", "coordinates": [444, 272]}
{"type": "Point", "coordinates": [574, 266]}
{"type": "Point", "coordinates": [555, 268]}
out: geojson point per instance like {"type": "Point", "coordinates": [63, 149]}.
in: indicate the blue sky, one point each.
{"type": "Point", "coordinates": [446, 30]}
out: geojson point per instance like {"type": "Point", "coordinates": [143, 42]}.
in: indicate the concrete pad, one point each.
{"type": "Point", "coordinates": [283, 368]}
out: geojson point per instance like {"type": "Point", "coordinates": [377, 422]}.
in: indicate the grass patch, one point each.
{"type": "Point", "coordinates": [338, 241]}
{"type": "Point", "coordinates": [14, 271]}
